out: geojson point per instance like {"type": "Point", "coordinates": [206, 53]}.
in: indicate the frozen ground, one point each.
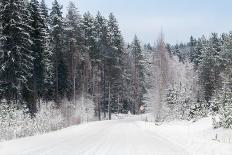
{"type": "Point", "coordinates": [126, 136]}
{"type": "Point", "coordinates": [198, 138]}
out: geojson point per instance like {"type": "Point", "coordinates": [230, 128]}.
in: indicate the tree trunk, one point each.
{"type": "Point", "coordinates": [57, 83]}
{"type": "Point", "coordinates": [104, 93]}
{"type": "Point", "coordinates": [74, 82]}
{"type": "Point", "coordinates": [118, 103]}
{"type": "Point", "coordinates": [98, 95]}
{"type": "Point", "coordinates": [109, 104]}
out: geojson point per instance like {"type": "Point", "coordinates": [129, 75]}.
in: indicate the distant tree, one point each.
{"type": "Point", "coordinates": [88, 28]}
{"type": "Point", "coordinates": [163, 65]}
{"type": "Point", "coordinates": [196, 56]}
{"type": "Point", "coordinates": [103, 56]}
{"type": "Point", "coordinates": [209, 67]}
{"type": "Point", "coordinates": [139, 87]}
{"type": "Point", "coordinates": [116, 58]}
{"type": "Point", "coordinates": [192, 45]}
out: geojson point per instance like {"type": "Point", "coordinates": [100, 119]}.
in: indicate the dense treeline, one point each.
{"type": "Point", "coordinates": [46, 56]}
{"type": "Point", "coordinates": [212, 59]}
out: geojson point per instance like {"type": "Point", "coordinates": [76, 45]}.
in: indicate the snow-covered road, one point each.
{"type": "Point", "coordinates": [119, 137]}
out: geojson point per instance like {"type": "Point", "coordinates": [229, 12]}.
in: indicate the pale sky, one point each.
{"type": "Point", "coordinates": [179, 19]}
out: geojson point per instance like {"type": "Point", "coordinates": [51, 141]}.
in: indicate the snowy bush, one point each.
{"type": "Point", "coordinates": [16, 122]}
{"type": "Point", "coordinates": [216, 122]}
{"type": "Point", "coordinates": [221, 106]}
{"type": "Point", "coordinates": [226, 113]}
{"type": "Point", "coordinates": [178, 103]}
{"type": "Point", "coordinates": [48, 118]}
{"type": "Point", "coordinates": [85, 109]}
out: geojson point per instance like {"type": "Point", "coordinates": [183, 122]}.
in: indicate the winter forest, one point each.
{"type": "Point", "coordinates": [59, 70]}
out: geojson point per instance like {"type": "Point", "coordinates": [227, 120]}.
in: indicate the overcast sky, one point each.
{"type": "Point", "coordinates": [179, 19]}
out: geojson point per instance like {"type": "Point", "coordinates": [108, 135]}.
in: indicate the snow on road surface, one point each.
{"type": "Point", "coordinates": [119, 137]}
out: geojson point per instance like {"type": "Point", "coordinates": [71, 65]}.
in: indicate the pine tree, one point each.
{"type": "Point", "coordinates": [127, 74]}
{"type": "Point", "coordinates": [225, 100]}
{"type": "Point", "coordinates": [209, 67]}
{"type": "Point", "coordinates": [92, 47]}
{"type": "Point", "coordinates": [102, 56]}
{"type": "Point", "coordinates": [44, 12]}
{"type": "Point", "coordinates": [87, 25]}
{"type": "Point", "coordinates": [57, 36]}
{"type": "Point", "coordinates": [102, 32]}
{"type": "Point", "coordinates": [115, 35]}
{"type": "Point", "coordinates": [38, 36]}
{"type": "Point", "coordinates": [197, 57]}
{"type": "Point", "coordinates": [192, 45]}
{"type": "Point", "coordinates": [139, 87]}
{"type": "Point", "coordinates": [224, 96]}
{"type": "Point", "coordinates": [48, 93]}
{"type": "Point", "coordinates": [117, 47]}
{"type": "Point", "coordinates": [74, 46]}
{"type": "Point", "coordinates": [16, 62]}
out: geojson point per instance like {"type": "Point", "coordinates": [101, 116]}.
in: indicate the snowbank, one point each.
{"type": "Point", "coordinates": [198, 138]}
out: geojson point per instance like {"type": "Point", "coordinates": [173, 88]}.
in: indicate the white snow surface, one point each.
{"type": "Point", "coordinates": [197, 138]}
{"type": "Point", "coordinates": [125, 136]}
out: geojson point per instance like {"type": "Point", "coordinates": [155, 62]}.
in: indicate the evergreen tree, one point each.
{"type": "Point", "coordinates": [226, 54]}
{"type": "Point", "coordinates": [169, 48]}
{"type": "Point", "coordinates": [88, 28]}
{"type": "Point", "coordinates": [117, 47]}
{"type": "Point", "coordinates": [139, 86]}
{"type": "Point", "coordinates": [101, 28]}
{"type": "Point", "coordinates": [103, 55]}
{"type": "Point", "coordinates": [209, 67]}
{"type": "Point", "coordinates": [197, 55]}
{"type": "Point", "coordinates": [38, 36]}
{"type": "Point", "coordinates": [192, 45]}
{"type": "Point", "coordinates": [17, 60]}
{"type": "Point", "coordinates": [223, 102]}
{"type": "Point", "coordinates": [93, 45]}
{"type": "Point", "coordinates": [226, 113]}
{"type": "Point", "coordinates": [44, 12]}
{"type": "Point", "coordinates": [74, 46]}
{"type": "Point", "coordinates": [57, 36]}
{"type": "Point", "coordinates": [127, 74]}
{"type": "Point", "coordinates": [48, 92]}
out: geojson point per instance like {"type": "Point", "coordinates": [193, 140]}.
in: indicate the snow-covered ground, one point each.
{"type": "Point", "coordinates": [125, 136]}
{"type": "Point", "coordinates": [197, 138]}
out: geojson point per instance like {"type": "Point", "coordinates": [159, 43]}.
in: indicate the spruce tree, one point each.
{"type": "Point", "coordinates": [17, 60]}
{"type": "Point", "coordinates": [87, 25]}
{"type": "Point", "coordinates": [57, 39]}
{"type": "Point", "coordinates": [91, 45]}
{"type": "Point", "coordinates": [48, 93]}
{"type": "Point", "coordinates": [38, 36]}
{"type": "Point", "coordinates": [44, 11]}
{"type": "Point", "coordinates": [73, 46]}
{"type": "Point", "coordinates": [209, 67]}
{"type": "Point", "coordinates": [197, 55]}
{"type": "Point", "coordinates": [117, 47]}
{"type": "Point", "coordinates": [103, 55]}
{"type": "Point", "coordinates": [139, 86]}
{"type": "Point", "coordinates": [192, 45]}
